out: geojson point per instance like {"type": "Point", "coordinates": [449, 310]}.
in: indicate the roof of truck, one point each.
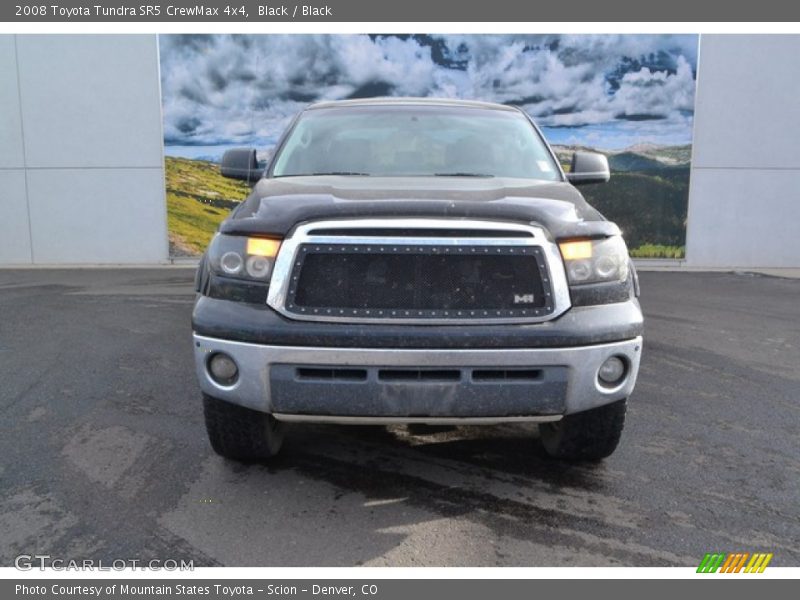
{"type": "Point", "coordinates": [402, 101]}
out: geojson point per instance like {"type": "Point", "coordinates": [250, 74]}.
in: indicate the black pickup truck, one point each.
{"type": "Point", "coordinates": [416, 261]}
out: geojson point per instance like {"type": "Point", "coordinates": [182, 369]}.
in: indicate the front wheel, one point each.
{"type": "Point", "coordinates": [590, 435]}
{"type": "Point", "coordinates": [240, 433]}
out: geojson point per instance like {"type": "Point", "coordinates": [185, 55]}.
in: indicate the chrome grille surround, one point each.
{"type": "Point", "coordinates": [518, 234]}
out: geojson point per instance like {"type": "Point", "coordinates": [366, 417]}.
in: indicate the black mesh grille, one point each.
{"type": "Point", "coordinates": [420, 281]}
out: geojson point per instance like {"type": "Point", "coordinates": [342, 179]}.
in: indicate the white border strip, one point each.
{"type": "Point", "coordinates": [397, 27]}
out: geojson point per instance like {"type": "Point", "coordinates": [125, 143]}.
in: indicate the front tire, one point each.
{"type": "Point", "coordinates": [241, 433]}
{"type": "Point", "coordinates": [591, 435]}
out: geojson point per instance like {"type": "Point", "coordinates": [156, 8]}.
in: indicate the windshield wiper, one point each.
{"type": "Point", "coordinates": [459, 174]}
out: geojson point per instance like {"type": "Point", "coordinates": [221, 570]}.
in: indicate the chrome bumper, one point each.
{"type": "Point", "coordinates": [255, 362]}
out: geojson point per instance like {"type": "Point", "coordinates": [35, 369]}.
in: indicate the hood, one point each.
{"type": "Point", "coordinates": [277, 205]}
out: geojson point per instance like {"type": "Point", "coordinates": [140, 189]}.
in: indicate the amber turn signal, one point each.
{"type": "Point", "coordinates": [263, 247]}
{"type": "Point", "coordinates": [576, 250]}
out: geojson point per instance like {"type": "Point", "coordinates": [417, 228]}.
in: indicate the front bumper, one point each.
{"type": "Point", "coordinates": [259, 324]}
{"type": "Point", "coordinates": [563, 380]}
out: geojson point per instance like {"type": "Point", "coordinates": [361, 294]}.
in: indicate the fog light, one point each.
{"type": "Point", "coordinates": [612, 371]}
{"type": "Point", "coordinates": [223, 369]}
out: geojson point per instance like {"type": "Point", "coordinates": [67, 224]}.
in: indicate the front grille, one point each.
{"type": "Point", "coordinates": [407, 281]}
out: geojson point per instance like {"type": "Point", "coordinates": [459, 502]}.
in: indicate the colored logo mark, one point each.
{"type": "Point", "coordinates": [736, 562]}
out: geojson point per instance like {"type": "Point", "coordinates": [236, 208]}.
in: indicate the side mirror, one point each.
{"type": "Point", "coordinates": [588, 167]}
{"type": "Point", "coordinates": [241, 163]}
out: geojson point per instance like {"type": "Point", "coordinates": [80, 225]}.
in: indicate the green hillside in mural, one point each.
{"type": "Point", "coordinates": [649, 207]}
{"type": "Point", "coordinates": [647, 197]}
{"type": "Point", "coordinates": [198, 199]}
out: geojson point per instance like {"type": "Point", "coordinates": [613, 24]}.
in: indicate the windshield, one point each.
{"type": "Point", "coordinates": [415, 141]}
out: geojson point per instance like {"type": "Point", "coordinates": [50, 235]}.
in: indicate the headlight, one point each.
{"type": "Point", "coordinates": [242, 257]}
{"type": "Point", "coordinates": [595, 261]}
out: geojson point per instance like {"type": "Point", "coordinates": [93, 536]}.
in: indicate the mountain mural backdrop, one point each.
{"type": "Point", "coordinates": [628, 96]}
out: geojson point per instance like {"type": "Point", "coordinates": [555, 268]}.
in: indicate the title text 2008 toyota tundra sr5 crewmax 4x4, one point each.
{"type": "Point", "coordinates": [416, 260]}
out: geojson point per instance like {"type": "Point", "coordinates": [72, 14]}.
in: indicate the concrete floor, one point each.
{"type": "Point", "coordinates": [104, 453]}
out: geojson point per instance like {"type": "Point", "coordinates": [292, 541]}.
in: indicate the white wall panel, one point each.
{"type": "Point", "coordinates": [744, 218]}
{"type": "Point", "coordinates": [11, 150]}
{"type": "Point", "coordinates": [15, 243]}
{"type": "Point", "coordinates": [90, 100]}
{"type": "Point", "coordinates": [97, 216]}
{"type": "Point", "coordinates": [747, 110]}
{"type": "Point", "coordinates": [744, 199]}
{"type": "Point", "coordinates": [90, 128]}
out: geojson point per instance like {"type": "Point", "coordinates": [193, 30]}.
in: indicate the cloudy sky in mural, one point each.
{"type": "Point", "coordinates": [605, 91]}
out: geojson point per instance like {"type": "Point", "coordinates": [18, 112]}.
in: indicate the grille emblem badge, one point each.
{"type": "Point", "coordinates": [524, 299]}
